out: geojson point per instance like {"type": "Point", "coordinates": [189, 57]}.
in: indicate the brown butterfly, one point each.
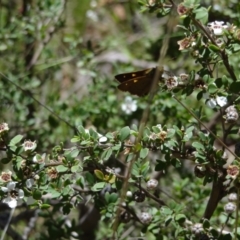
{"type": "Point", "coordinates": [137, 83]}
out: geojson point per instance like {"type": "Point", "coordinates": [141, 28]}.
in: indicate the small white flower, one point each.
{"type": "Point", "coordinates": [197, 229]}
{"type": "Point", "coordinates": [171, 82]}
{"type": "Point", "coordinates": [6, 176]}
{"type": "Point", "coordinates": [217, 27]}
{"type": "Point", "coordinates": [232, 197]}
{"type": "Point", "coordinates": [129, 105]}
{"type": "Point", "coordinates": [152, 184]}
{"type": "Point", "coordinates": [29, 145]}
{"type": "Point", "coordinates": [146, 217]}
{"type": "Point", "coordinates": [221, 101]}
{"type": "Point", "coordinates": [230, 208]}
{"type": "Point", "coordinates": [4, 127]}
{"type": "Point", "coordinates": [13, 194]}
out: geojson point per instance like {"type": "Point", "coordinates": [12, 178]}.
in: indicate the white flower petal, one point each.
{"type": "Point", "coordinates": [20, 193]}
{"type": "Point", "coordinates": [12, 203]}
{"type": "Point", "coordinates": [4, 189]}
{"type": "Point", "coordinates": [221, 101]}
{"type": "Point", "coordinates": [211, 103]}
{"type": "Point", "coordinates": [11, 186]}
{"type": "Point", "coordinates": [102, 139]}
{"type": "Point", "coordinates": [29, 183]}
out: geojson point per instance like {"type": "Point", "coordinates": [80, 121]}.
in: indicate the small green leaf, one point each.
{"type": "Point", "coordinates": [199, 95]}
{"type": "Point", "coordinates": [74, 153]}
{"type": "Point", "coordinates": [37, 195]}
{"type": "Point", "coordinates": [214, 48]}
{"type": "Point", "coordinates": [45, 206]}
{"type": "Point", "coordinates": [144, 153]}
{"type": "Point", "coordinates": [206, 224]}
{"type": "Point", "coordinates": [144, 168]}
{"type": "Point", "coordinates": [212, 88]}
{"type": "Point", "coordinates": [198, 145]}
{"type": "Point", "coordinates": [201, 14]}
{"type": "Point", "coordinates": [176, 162]}
{"type": "Point", "coordinates": [161, 165]}
{"type": "Point", "coordinates": [235, 87]}
{"type": "Point", "coordinates": [75, 168]}
{"type": "Point", "coordinates": [98, 186]}
{"type": "Point", "coordinates": [124, 133]}
{"type": "Point", "coordinates": [168, 220]}
{"type": "Point", "coordinates": [16, 140]}
{"type": "Point", "coordinates": [111, 197]}
{"type": "Point", "coordinates": [5, 160]}
{"type": "Point", "coordinates": [180, 218]}
{"type": "Point", "coordinates": [75, 139]}
{"type": "Point", "coordinates": [166, 211]}
{"type": "Point", "coordinates": [99, 174]}
{"type": "Point", "coordinates": [61, 168]}
{"type": "Point", "coordinates": [107, 154]}
{"type": "Point", "coordinates": [67, 208]}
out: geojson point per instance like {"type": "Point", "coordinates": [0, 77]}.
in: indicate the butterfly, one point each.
{"type": "Point", "coordinates": [137, 83]}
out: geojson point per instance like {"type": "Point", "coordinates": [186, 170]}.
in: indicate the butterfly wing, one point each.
{"type": "Point", "coordinates": [137, 83]}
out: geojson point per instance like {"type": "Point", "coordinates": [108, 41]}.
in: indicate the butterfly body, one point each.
{"type": "Point", "coordinates": [137, 83]}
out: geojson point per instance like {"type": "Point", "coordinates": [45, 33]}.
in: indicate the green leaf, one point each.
{"type": "Point", "coordinates": [75, 168]}
{"type": "Point", "coordinates": [225, 237]}
{"type": "Point", "coordinates": [180, 218]}
{"type": "Point", "coordinates": [67, 208]}
{"type": "Point", "coordinates": [107, 154]}
{"type": "Point", "coordinates": [5, 160]}
{"type": "Point", "coordinates": [124, 133]}
{"type": "Point", "coordinates": [176, 162]}
{"type": "Point", "coordinates": [201, 14]}
{"type": "Point", "coordinates": [111, 197]}
{"type": "Point", "coordinates": [19, 162]}
{"type": "Point", "coordinates": [81, 182]}
{"type": "Point", "coordinates": [199, 95]}
{"type": "Point", "coordinates": [161, 165]}
{"type": "Point", "coordinates": [129, 157]}
{"type": "Point", "coordinates": [16, 140]}
{"type": "Point", "coordinates": [144, 153]}
{"type": "Point", "coordinates": [214, 48]}
{"type": "Point", "coordinates": [235, 87]}
{"type": "Point", "coordinates": [75, 139]}
{"type": "Point", "coordinates": [74, 153]}
{"type": "Point", "coordinates": [81, 130]}
{"type": "Point", "coordinates": [166, 211]}
{"type": "Point", "coordinates": [168, 220]}
{"type": "Point", "coordinates": [99, 174]}
{"type": "Point", "coordinates": [212, 88]}
{"type": "Point", "coordinates": [45, 206]}
{"type": "Point", "coordinates": [37, 195]}
{"type": "Point", "coordinates": [144, 168]}
{"type": "Point", "coordinates": [61, 168]}
{"type": "Point", "coordinates": [198, 145]}
{"type": "Point", "coordinates": [206, 224]}
{"type": "Point", "coordinates": [98, 186]}
{"type": "Point", "coordinates": [54, 193]}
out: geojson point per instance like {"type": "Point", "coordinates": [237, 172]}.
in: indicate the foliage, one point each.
{"type": "Point", "coordinates": [81, 159]}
